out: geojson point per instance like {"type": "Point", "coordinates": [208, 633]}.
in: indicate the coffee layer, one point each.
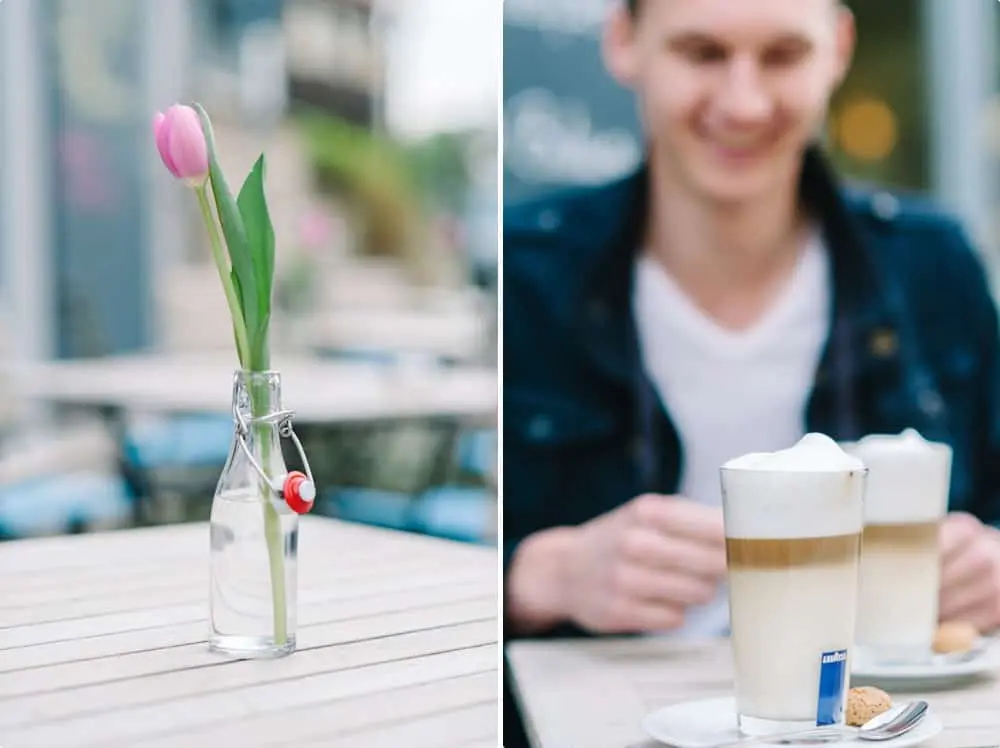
{"type": "Point", "coordinates": [785, 553]}
{"type": "Point", "coordinates": [922, 535]}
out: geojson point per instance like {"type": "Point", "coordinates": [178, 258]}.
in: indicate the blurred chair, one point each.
{"type": "Point", "coordinates": [452, 498]}
{"type": "Point", "coordinates": [464, 507]}
{"type": "Point", "coordinates": [454, 512]}
{"type": "Point", "coordinates": [376, 472]}
{"type": "Point", "coordinates": [173, 464]}
{"type": "Point", "coordinates": [64, 503]}
{"type": "Point", "coordinates": [61, 478]}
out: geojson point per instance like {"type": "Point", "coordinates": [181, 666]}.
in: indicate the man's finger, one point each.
{"type": "Point", "coordinates": [651, 549]}
{"type": "Point", "coordinates": [677, 589]}
{"type": "Point", "coordinates": [957, 532]}
{"type": "Point", "coordinates": [682, 518]}
{"type": "Point", "coordinates": [967, 566]}
{"type": "Point", "coordinates": [646, 616]}
{"type": "Point", "coordinates": [972, 604]}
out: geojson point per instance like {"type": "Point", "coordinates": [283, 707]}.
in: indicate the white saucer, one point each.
{"type": "Point", "coordinates": [940, 672]}
{"type": "Point", "coordinates": [708, 722]}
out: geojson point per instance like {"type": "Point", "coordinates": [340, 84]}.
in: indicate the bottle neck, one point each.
{"type": "Point", "coordinates": [257, 402]}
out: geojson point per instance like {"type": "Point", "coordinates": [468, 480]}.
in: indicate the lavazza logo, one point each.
{"type": "Point", "coordinates": [835, 656]}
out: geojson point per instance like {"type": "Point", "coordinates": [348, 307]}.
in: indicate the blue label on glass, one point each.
{"type": "Point", "coordinates": [832, 672]}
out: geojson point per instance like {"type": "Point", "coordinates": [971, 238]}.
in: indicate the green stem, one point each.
{"type": "Point", "coordinates": [235, 310]}
{"type": "Point", "coordinates": [260, 405]}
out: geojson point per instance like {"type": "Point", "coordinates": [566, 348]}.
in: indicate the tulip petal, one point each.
{"type": "Point", "coordinates": [186, 143]}
{"type": "Point", "coordinates": [161, 132]}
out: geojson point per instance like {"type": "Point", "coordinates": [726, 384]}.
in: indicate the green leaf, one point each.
{"type": "Point", "coordinates": [252, 203]}
{"type": "Point", "coordinates": [235, 234]}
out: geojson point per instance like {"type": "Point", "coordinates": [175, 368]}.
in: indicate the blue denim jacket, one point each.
{"type": "Point", "coordinates": [913, 343]}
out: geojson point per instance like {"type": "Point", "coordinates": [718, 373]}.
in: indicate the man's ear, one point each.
{"type": "Point", "coordinates": [846, 40]}
{"type": "Point", "coordinates": [618, 45]}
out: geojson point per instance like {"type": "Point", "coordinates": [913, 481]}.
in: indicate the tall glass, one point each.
{"type": "Point", "coordinates": [907, 497]}
{"type": "Point", "coordinates": [793, 522]}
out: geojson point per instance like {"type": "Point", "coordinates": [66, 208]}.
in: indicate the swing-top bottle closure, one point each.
{"type": "Point", "coordinates": [296, 489]}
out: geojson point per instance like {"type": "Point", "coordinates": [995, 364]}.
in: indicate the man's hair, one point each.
{"type": "Point", "coordinates": [633, 6]}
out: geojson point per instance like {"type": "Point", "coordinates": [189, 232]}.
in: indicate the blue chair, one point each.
{"type": "Point", "coordinates": [172, 464]}
{"type": "Point", "coordinates": [196, 440]}
{"type": "Point", "coordinates": [371, 506]}
{"type": "Point", "coordinates": [477, 451]}
{"type": "Point", "coordinates": [454, 512]}
{"type": "Point", "coordinates": [63, 503]}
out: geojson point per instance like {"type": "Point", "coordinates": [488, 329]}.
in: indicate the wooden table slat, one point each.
{"type": "Point", "coordinates": [311, 590]}
{"type": "Point", "coordinates": [409, 668]}
{"type": "Point", "coordinates": [453, 729]}
{"type": "Point", "coordinates": [120, 643]}
{"type": "Point", "coordinates": [146, 618]}
{"type": "Point", "coordinates": [190, 656]}
{"type": "Point", "coordinates": [184, 540]}
{"type": "Point", "coordinates": [102, 642]}
{"type": "Point", "coordinates": [314, 564]}
{"type": "Point", "coordinates": [345, 717]}
{"type": "Point", "coordinates": [214, 677]}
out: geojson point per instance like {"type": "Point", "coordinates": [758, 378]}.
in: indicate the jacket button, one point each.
{"type": "Point", "coordinates": [885, 206]}
{"type": "Point", "coordinates": [540, 428]}
{"type": "Point", "coordinates": [883, 343]}
{"type": "Point", "coordinates": [549, 220]}
{"type": "Point", "coordinates": [930, 403]}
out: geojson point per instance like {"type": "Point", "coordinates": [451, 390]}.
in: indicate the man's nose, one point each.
{"type": "Point", "coordinates": [743, 97]}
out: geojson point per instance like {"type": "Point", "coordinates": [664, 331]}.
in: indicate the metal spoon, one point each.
{"type": "Point", "coordinates": [888, 725]}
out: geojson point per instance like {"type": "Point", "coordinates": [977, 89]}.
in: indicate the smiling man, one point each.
{"type": "Point", "coordinates": [726, 298]}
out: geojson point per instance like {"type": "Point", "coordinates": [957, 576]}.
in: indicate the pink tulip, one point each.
{"type": "Point", "coordinates": [181, 143]}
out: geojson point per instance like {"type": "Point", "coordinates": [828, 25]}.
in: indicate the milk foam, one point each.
{"type": "Point", "coordinates": [811, 490]}
{"type": "Point", "coordinates": [908, 480]}
{"type": "Point", "coordinates": [812, 453]}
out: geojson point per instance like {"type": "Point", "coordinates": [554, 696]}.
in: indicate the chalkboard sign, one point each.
{"type": "Point", "coordinates": [566, 121]}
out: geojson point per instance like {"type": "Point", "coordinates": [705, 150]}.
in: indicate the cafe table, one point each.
{"type": "Point", "coordinates": [103, 643]}
{"type": "Point", "coordinates": [594, 693]}
{"type": "Point", "coordinates": [320, 391]}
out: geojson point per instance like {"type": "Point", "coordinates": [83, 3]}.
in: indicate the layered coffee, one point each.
{"type": "Point", "coordinates": [907, 496]}
{"type": "Point", "coordinates": [793, 522]}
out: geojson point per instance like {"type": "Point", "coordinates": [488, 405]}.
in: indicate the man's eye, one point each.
{"type": "Point", "coordinates": [706, 54]}
{"type": "Point", "coordinates": [783, 56]}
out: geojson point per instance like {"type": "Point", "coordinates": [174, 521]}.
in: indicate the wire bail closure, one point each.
{"type": "Point", "coordinates": [296, 489]}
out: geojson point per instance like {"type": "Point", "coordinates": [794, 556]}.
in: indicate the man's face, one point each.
{"type": "Point", "coordinates": [731, 91]}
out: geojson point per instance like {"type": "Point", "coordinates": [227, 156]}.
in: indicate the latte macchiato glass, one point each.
{"type": "Point", "coordinates": [906, 498]}
{"type": "Point", "coordinates": [793, 522]}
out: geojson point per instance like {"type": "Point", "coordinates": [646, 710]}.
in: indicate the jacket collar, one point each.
{"type": "Point", "coordinates": [601, 303]}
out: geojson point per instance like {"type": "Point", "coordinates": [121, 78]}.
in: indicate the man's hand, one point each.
{"type": "Point", "coordinates": [970, 572]}
{"type": "Point", "coordinates": [639, 567]}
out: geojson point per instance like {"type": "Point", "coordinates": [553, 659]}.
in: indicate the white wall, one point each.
{"type": "Point", "coordinates": [443, 65]}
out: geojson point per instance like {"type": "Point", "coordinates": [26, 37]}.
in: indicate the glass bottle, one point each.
{"type": "Point", "coordinates": [254, 528]}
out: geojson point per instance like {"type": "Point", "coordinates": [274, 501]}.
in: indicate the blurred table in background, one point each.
{"type": "Point", "coordinates": [595, 693]}
{"type": "Point", "coordinates": [318, 390]}
{"type": "Point", "coordinates": [428, 332]}
{"type": "Point", "coordinates": [102, 640]}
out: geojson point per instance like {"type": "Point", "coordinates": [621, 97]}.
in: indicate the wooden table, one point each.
{"type": "Point", "coordinates": [594, 693]}
{"type": "Point", "coordinates": [320, 391]}
{"type": "Point", "coordinates": [102, 643]}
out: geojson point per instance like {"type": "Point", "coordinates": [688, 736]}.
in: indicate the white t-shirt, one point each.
{"type": "Point", "coordinates": [729, 392]}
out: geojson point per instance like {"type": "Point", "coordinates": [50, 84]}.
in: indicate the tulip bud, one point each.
{"type": "Point", "coordinates": [181, 143]}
